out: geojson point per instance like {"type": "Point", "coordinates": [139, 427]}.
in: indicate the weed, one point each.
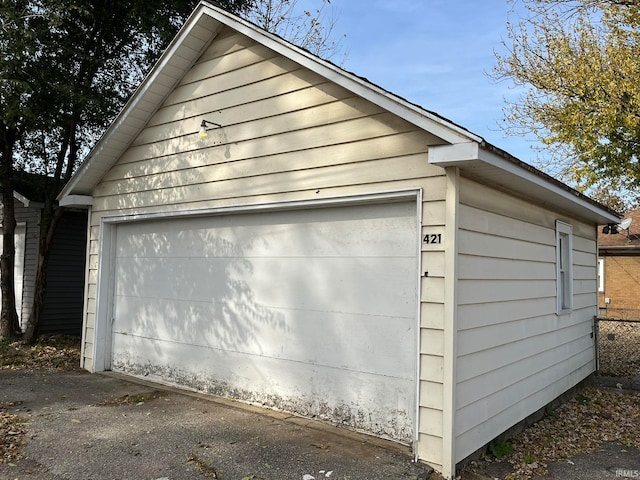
{"type": "Point", "coordinates": [550, 412]}
{"type": "Point", "coordinates": [4, 345]}
{"type": "Point", "coordinates": [500, 449]}
{"type": "Point", "coordinates": [583, 399]}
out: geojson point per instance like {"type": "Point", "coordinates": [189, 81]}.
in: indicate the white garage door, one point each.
{"type": "Point", "coordinates": [310, 311]}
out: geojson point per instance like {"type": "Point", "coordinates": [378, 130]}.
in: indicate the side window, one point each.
{"type": "Point", "coordinates": [601, 275]}
{"type": "Point", "coordinates": [564, 267]}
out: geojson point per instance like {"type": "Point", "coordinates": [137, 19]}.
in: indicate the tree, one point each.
{"type": "Point", "coordinates": [311, 29]}
{"type": "Point", "coordinates": [66, 69]}
{"type": "Point", "coordinates": [16, 39]}
{"type": "Point", "coordinates": [576, 62]}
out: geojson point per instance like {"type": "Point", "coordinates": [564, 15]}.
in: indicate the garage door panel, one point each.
{"type": "Point", "coordinates": [289, 234]}
{"type": "Point", "coordinates": [334, 340]}
{"type": "Point", "coordinates": [311, 308]}
{"type": "Point", "coordinates": [381, 406]}
{"type": "Point", "coordinates": [319, 284]}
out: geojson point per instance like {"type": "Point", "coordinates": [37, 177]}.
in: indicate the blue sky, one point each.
{"type": "Point", "coordinates": [435, 53]}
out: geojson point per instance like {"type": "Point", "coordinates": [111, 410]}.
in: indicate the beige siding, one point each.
{"type": "Point", "coordinates": [514, 353]}
{"type": "Point", "coordinates": [287, 135]}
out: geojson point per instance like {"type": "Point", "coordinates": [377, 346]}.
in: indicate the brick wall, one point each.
{"type": "Point", "coordinates": [622, 286]}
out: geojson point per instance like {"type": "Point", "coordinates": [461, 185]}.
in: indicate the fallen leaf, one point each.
{"type": "Point", "coordinates": [575, 427]}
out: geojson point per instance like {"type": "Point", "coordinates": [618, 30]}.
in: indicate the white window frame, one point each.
{"type": "Point", "coordinates": [564, 267]}
{"type": "Point", "coordinates": [601, 275]}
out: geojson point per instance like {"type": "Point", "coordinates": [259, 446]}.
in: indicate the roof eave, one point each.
{"type": "Point", "coordinates": [491, 165]}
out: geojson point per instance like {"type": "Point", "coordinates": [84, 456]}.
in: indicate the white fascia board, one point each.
{"type": "Point", "coordinates": [539, 184]}
{"type": "Point", "coordinates": [453, 155]}
{"type": "Point", "coordinates": [82, 201]}
{"type": "Point", "coordinates": [22, 199]}
{"type": "Point", "coordinates": [441, 128]}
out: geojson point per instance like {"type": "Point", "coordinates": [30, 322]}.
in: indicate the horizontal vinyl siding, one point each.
{"type": "Point", "coordinates": [432, 294]}
{"type": "Point", "coordinates": [62, 312]}
{"type": "Point", "coordinates": [287, 135]}
{"type": "Point", "coordinates": [514, 354]}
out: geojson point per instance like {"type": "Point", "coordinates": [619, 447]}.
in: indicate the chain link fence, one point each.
{"type": "Point", "coordinates": [612, 313]}
{"type": "Point", "coordinates": [619, 347]}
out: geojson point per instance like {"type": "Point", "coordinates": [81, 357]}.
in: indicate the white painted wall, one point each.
{"type": "Point", "coordinates": [18, 274]}
{"type": "Point", "coordinates": [515, 354]}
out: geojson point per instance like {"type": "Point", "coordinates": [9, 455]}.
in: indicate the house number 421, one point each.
{"type": "Point", "coordinates": [432, 238]}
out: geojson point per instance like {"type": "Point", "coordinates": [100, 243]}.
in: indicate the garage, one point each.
{"type": "Point", "coordinates": [312, 311]}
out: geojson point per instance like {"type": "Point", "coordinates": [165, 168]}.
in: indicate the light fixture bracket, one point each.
{"type": "Point", "coordinates": [204, 127]}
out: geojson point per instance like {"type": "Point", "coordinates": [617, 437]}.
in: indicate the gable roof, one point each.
{"type": "Point", "coordinates": [470, 152]}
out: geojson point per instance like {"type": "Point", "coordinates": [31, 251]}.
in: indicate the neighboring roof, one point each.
{"type": "Point", "coordinates": [200, 31]}
{"type": "Point", "coordinates": [623, 241]}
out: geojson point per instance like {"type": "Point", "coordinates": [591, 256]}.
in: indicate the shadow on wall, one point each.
{"type": "Point", "coordinates": [181, 282]}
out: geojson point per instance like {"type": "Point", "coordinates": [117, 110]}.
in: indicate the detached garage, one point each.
{"type": "Point", "coordinates": [330, 249]}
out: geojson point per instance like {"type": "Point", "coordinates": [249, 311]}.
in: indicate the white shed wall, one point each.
{"type": "Point", "coordinates": [514, 353]}
{"type": "Point", "coordinates": [30, 217]}
{"type": "Point", "coordinates": [288, 135]}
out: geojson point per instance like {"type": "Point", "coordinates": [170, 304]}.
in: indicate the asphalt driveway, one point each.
{"type": "Point", "coordinates": [102, 427]}
{"type": "Point", "coordinates": [105, 427]}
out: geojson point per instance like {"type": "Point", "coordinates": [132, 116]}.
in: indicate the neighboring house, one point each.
{"type": "Point", "coordinates": [63, 300]}
{"type": "Point", "coordinates": [619, 270]}
{"type": "Point", "coordinates": [330, 250]}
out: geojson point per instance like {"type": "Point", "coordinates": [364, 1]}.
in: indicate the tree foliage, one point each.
{"type": "Point", "coordinates": [576, 65]}
{"type": "Point", "coordinates": [66, 69]}
{"type": "Point", "coordinates": [312, 29]}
